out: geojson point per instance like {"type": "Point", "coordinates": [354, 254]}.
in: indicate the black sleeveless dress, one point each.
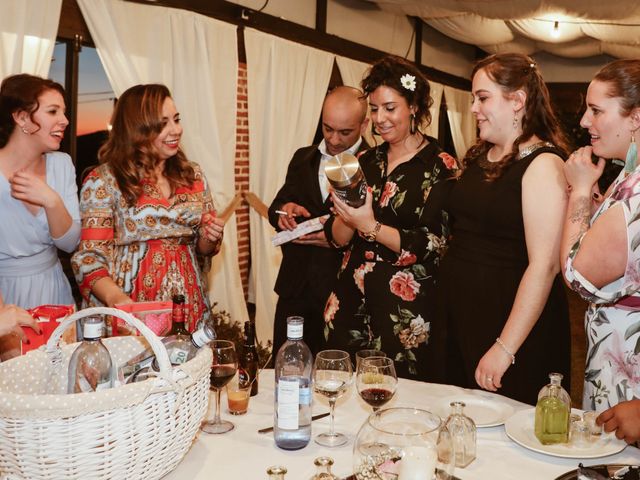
{"type": "Point", "coordinates": [479, 278]}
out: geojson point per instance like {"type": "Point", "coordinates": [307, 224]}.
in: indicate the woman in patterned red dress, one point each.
{"type": "Point", "coordinates": [147, 211]}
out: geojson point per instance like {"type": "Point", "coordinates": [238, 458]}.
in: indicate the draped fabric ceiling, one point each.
{"type": "Point", "coordinates": [584, 27]}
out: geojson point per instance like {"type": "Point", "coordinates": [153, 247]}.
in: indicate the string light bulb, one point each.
{"type": "Point", "coordinates": [555, 30]}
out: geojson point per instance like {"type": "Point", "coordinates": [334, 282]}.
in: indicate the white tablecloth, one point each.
{"type": "Point", "coordinates": [243, 453]}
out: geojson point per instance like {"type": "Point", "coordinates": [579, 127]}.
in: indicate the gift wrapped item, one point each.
{"type": "Point", "coordinates": [155, 315]}
{"type": "Point", "coordinates": [48, 318]}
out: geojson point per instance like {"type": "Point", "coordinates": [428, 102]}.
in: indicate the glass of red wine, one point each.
{"type": "Point", "coordinates": [376, 380]}
{"type": "Point", "coordinates": [223, 368]}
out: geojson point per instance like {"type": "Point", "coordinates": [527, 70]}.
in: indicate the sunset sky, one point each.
{"type": "Point", "coordinates": [95, 100]}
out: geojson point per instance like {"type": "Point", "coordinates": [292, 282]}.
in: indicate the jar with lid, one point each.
{"type": "Point", "coordinates": [552, 412]}
{"type": "Point", "coordinates": [347, 179]}
{"type": "Point", "coordinates": [463, 434]}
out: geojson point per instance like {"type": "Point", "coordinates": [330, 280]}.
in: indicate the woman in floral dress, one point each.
{"type": "Point", "coordinates": [146, 211]}
{"type": "Point", "coordinates": [383, 296]}
{"type": "Point", "coordinates": [601, 252]}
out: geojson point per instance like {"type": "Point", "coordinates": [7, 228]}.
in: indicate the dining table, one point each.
{"type": "Point", "coordinates": [243, 453]}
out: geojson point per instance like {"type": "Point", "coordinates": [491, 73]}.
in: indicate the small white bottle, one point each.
{"type": "Point", "coordinates": [90, 367]}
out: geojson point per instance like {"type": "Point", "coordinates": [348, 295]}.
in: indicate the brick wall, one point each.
{"type": "Point", "coordinates": [242, 177]}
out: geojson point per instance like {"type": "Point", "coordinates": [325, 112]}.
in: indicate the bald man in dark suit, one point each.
{"type": "Point", "coordinates": [309, 266]}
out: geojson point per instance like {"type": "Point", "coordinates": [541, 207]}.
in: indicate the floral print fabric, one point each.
{"type": "Point", "coordinates": [148, 249]}
{"type": "Point", "coordinates": [612, 320]}
{"type": "Point", "coordinates": [383, 299]}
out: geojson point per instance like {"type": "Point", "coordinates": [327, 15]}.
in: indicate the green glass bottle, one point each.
{"type": "Point", "coordinates": [552, 412]}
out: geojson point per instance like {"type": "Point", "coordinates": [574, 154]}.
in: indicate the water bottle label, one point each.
{"type": "Point", "coordinates": [294, 331]}
{"type": "Point", "coordinates": [288, 401]}
{"type": "Point", "coordinates": [305, 396]}
{"type": "Point", "coordinates": [178, 356]}
{"type": "Point", "coordinates": [200, 338]}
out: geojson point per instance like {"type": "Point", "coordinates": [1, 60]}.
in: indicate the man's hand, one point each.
{"type": "Point", "coordinates": [291, 210]}
{"type": "Point", "coordinates": [317, 239]}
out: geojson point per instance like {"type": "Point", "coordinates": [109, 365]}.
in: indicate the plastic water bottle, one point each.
{"type": "Point", "coordinates": [90, 367]}
{"type": "Point", "coordinates": [293, 398]}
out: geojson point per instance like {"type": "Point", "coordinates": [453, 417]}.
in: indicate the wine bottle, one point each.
{"type": "Point", "coordinates": [90, 367]}
{"type": "Point", "coordinates": [248, 368]}
{"type": "Point", "coordinates": [293, 399]}
{"type": "Point", "coordinates": [177, 317]}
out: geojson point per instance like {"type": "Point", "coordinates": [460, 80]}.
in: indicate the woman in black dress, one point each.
{"type": "Point", "coordinates": [503, 316]}
{"type": "Point", "coordinates": [383, 297]}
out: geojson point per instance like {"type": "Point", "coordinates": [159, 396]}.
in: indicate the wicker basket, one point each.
{"type": "Point", "coordinates": [135, 431]}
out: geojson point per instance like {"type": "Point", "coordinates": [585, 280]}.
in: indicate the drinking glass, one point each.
{"type": "Point", "coordinates": [223, 368]}
{"type": "Point", "coordinates": [332, 374]}
{"type": "Point", "coordinates": [376, 380]}
{"type": "Point", "coordinates": [361, 354]}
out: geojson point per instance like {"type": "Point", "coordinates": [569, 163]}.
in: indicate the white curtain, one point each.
{"type": "Point", "coordinates": [286, 83]}
{"type": "Point", "coordinates": [28, 30]}
{"type": "Point", "coordinates": [196, 57]}
{"type": "Point", "coordinates": [436, 95]}
{"type": "Point", "coordinates": [461, 120]}
{"type": "Point", "coordinates": [352, 73]}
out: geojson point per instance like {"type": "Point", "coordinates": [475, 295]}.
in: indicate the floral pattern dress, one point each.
{"type": "Point", "coordinates": [612, 320]}
{"type": "Point", "coordinates": [148, 249]}
{"type": "Point", "coordinates": [383, 299]}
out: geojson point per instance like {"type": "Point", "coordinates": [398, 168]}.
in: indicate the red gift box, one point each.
{"type": "Point", "coordinates": [48, 318]}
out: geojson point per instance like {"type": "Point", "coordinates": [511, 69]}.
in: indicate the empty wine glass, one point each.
{"type": "Point", "coordinates": [376, 380]}
{"type": "Point", "coordinates": [223, 368]}
{"type": "Point", "coordinates": [332, 375]}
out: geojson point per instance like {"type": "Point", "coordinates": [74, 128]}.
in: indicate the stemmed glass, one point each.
{"type": "Point", "coordinates": [332, 375]}
{"type": "Point", "coordinates": [223, 369]}
{"type": "Point", "coordinates": [362, 354]}
{"type": "Point", "coordinates": [376, 380]}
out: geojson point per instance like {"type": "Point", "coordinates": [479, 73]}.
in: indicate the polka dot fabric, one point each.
{"type": "Point", "coordinates": [126, 430]}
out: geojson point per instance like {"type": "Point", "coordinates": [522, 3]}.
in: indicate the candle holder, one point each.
{"type": "Point", "coordinates": [405, 443]}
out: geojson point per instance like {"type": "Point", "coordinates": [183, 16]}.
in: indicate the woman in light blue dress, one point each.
{"type": "Point", "coordinates": [38, 196]}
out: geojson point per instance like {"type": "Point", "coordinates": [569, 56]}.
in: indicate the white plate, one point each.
{"type": "Point", "coordinates": [519, 428]}
{"type": "Point", "coordinates": [485, 409]}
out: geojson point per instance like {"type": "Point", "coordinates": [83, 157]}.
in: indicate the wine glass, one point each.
{"type": "Point", "coordinates": [332, 374]}
{"type": "Point", "coordinates": [223, 369]}
{"type": "Point", "coordinates": [361, 354]}
{"type": "Point", "coordinates": [376, 380]}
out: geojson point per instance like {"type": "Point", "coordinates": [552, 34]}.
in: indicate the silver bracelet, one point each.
{"type": "Point", "coordinates": [504, 348]}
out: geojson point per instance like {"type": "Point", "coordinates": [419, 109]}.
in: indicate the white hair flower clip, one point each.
{"type": "Point", "coordinates": [408, 81]}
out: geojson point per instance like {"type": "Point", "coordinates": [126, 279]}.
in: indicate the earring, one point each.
{"type": "Point", "coordinates": [632, 156]}
{"type": "Point", "coordinates": [412, 124]}
{"type": "Point", "coordinates": [373, 129]}
{"type": "Point", "coordinates": [25, 131]}
{"type": "Point", "coordinates": [515, 121]}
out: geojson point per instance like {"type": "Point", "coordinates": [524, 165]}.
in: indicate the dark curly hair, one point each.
{"type": "Point", "coordinates": [512, 72]}
{"type": "Point", "coordinates": [388, 71]}
{"type": "Point", "coordinates": [135, 123]}
{"type": "Point", "coordinates": [20, 93]}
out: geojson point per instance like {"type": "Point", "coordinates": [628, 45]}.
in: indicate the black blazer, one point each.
{"type": "Point", "coordinates": [304, 266]}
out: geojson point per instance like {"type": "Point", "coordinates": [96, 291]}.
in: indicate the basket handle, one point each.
{"type": "Point", "coordinates": [53, 344]}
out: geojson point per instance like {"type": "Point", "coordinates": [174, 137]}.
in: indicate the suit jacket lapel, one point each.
{"type": "Point", "coordinates": [314, 187]}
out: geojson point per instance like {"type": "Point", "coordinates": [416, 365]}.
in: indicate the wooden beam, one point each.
{"type": "Point", "coordinates": [72, 23]}
{"type": "Point", "coordinates": [321, 16]}
{"type": "Point", "coordinates": [243, 16]}
{"type": "Point", "coordinates": [72, 62]}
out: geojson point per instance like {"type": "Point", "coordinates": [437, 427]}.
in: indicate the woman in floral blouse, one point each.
{"type": "Point", "coordinates": [146, 211]}
{"type": "Point", "coordinates": [383, 296]}
{"type": "Point", "coordinates": [601, 247]}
